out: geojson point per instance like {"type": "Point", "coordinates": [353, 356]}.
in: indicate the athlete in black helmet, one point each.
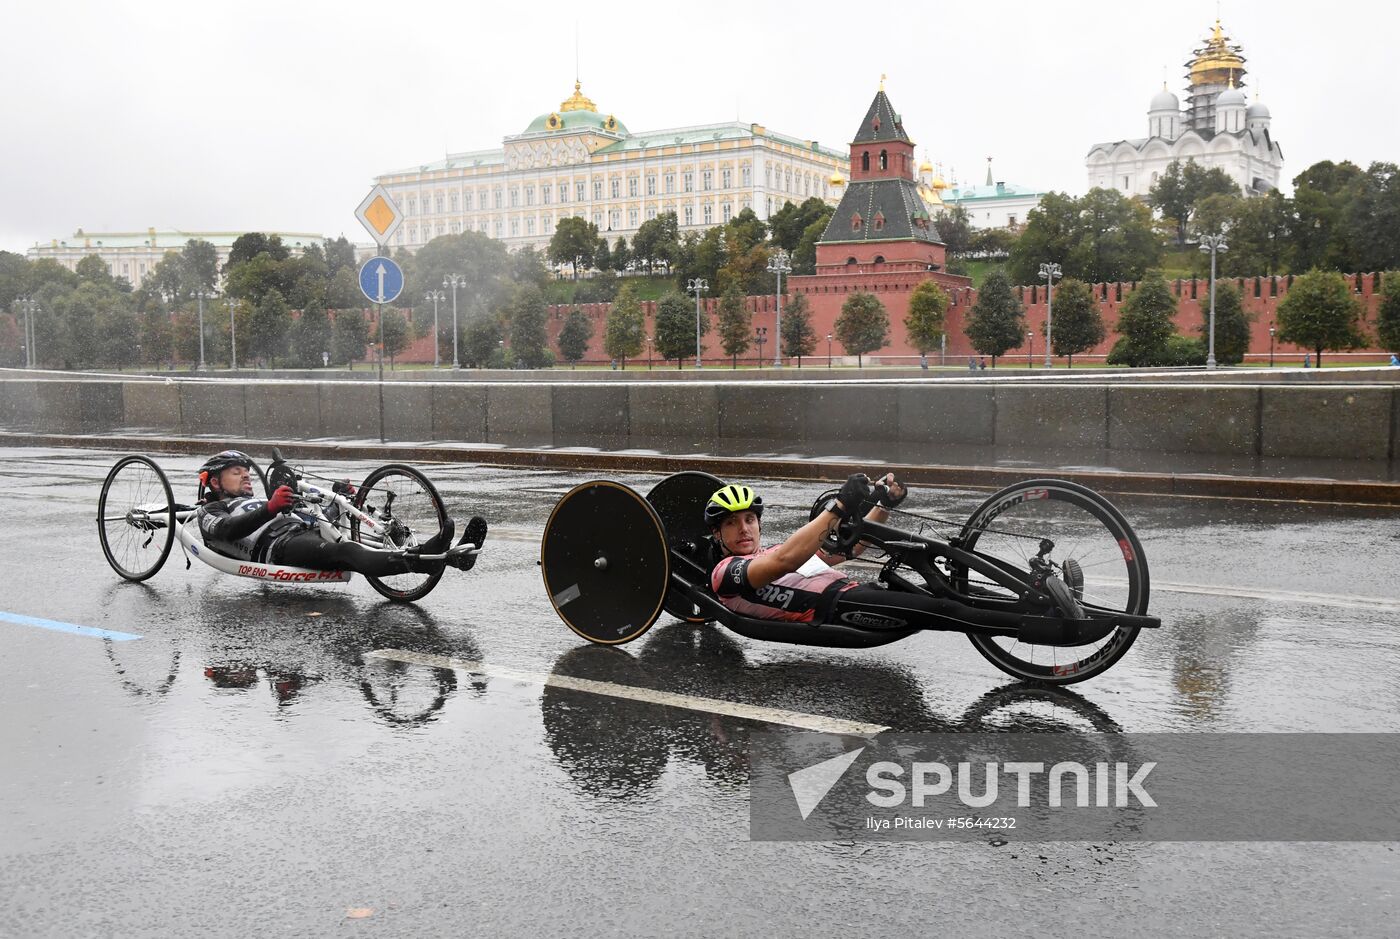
{"type": "Point", "coordinates": [237, 525]}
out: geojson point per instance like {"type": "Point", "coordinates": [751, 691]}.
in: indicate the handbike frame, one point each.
{"type": "Point", "coordinates": [961, 609]}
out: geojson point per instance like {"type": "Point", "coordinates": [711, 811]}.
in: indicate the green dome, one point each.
{"type": "Point", "coordinates": [565, 121]}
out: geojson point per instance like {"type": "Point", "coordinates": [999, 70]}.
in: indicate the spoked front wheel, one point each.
{"type": "Point", "coordinates": [136, 517]}
{"type": "Point", "coordinates": [1089, 545]}
{"type": "Point", "coordinates": [409, 512]}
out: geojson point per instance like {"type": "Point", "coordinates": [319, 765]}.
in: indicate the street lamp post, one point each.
{"type": "Point", "coordinates": [1271, 345]}
{"type": "Point", "coordinates": [779, 264]}
{"type": "Point", "coordinates": [435, 296]}
{"type": "Point", "coordinates": [650, 340]}
{"type": "Point", "coordinates": [454, 281]}
{"type": "Point", "coordinates": [201, 294]}
{"type": "Point", "coordinates": [828, 350]}
{"type": "Point", "coordinates": [232, 335]}
{"type": "Point", "coordinates": [1049, 272]}
{"type": "Point", "coordinates": [1030, 349]}
{"type": "Point", "coordinates": [697, 286]}
{"type": "Point", "coordinates": [1212, 245]}
{"type": "Point", "coordinates": [760, 334]}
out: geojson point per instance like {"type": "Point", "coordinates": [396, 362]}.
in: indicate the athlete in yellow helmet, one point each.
{"type": "Point", "coordinates": [793, 580]}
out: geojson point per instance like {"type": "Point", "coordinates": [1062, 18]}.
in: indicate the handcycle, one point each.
{"type": "Point", "coordinates": [396, 508]}
{"type": "Point", "coordinates": [613, 561]}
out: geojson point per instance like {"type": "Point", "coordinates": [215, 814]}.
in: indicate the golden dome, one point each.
{"type": "Point", "coordinates": [837, 179]}
{"type": "Point", "coordinates": [938, 183]}
{"type": "Point", "coordinates": [926, 167]}
{"type": "Point", "coordinates": [1216, 61]}
{"type": "Point", "coordinates": [579, 101]}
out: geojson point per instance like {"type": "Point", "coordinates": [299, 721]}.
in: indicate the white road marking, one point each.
{"type": "Point", "coordinates": [816, 722]}
{"type": "Point", "coordinates": [1308, 598]}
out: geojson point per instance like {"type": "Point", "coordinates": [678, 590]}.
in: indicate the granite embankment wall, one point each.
{"type": "Point", "coordinates": [1349, 421]}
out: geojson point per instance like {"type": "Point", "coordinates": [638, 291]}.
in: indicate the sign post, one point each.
{"type": "Point", "coordinates": [381, 280]}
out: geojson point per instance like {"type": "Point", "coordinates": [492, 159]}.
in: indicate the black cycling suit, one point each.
{"type": "Point", "coordinates": [243, 528]}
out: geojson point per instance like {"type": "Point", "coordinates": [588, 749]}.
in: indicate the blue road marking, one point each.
{"type": "Point", "coordinates": [23, 620]}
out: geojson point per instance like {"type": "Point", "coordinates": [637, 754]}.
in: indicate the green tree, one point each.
{"type": "Point", "coordinates": [92, 269]}
{"type": "Point", "coordinates": [1231, 325]}
{"type": "Point", "coordinates": [311, 335]}
{"type": "Point", "coordinates": [199, 262]}
{"type": "Point", "coordinates": [997, 321]}
{"type": "Point", "coordinates": [863, 325]}
{"type": "Point", "coordinates": [1076, 325]}
{"type": "Point", "coordinates": [481, 342]}
{"type": "Point", "coordinates": [748, 271]}
{"type": "Point", "coordinates": [804, 256]}
{"type": "Point", "coordinates": [791, 222]}
{"type": "Point", "coordinates": [343, 290]}
{"type": "Point", "coordinates": [528, 267]}
{"type": "Point", "coordinates": [622, 333]}
{"type": "Point", "coordinates": [1145, 323]}
{"type": "Point", "coordinates": [120, 332]}
{"type": "Point", "coordinates": [799, 338]}
{"type": "Point", "coordinates": [1103, 236]}
{"type": "Point", "coordinates": [1171, 196]}
{"type": "Point", "coordinates": [340, 255]}
{"type": "Point", "coordinates": [734, 320]}
{"type": "Point", "coordinates": [745, 231]}
{"type": "Point", "coordinates": [349, 336]}
{"type": "Point", "coordinates": [573, 243]}
{"type": "Point", "coordinates": [1320, 198]}
{"type": "Point", "coordinates": [1372, 219]}
{"type": "Point", "coordinates": [249, 280]}
{"type": "Point", "coordinates": [1259, 235]}
{"type": "Point", "coordinates": [602, 255]}
{"type": "Point", "coordinates": [528, 338]}
{"type": "Point", "coordinates": [928, 305]}
{"type": "Point", "coordinates": [675, 327]}
{"type": "Point", "coordinates": [272, 320]}
{"type": "Point", "coordinates": [1388, 313]}
{"type": "Point", "coordinates": [157, 336]}
{"type": "Point", "coordinates": [621, 255]}
{"type": "Point", "coordinates": [702, 255]}
{"type": "Point", "coordinates": [484, 267]}
{"type": "Point", "coordinates": [575, 336]}
{"type": "Point", "coordinates": [955, 228]}
{"type": "Point", "coordinates": [1320, 313]}
{"type": "Point", "coordinates": [396, 331]}
{"type": "Point", "coordinates": [657, 242]}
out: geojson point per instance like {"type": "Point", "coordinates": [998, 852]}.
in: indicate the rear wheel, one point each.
{"type": "Point", "coordinates": [1093, 550]}
{"type": "Point", "coordinates": [680, 501]}
{"type": "Point", "coordinates": [410, 512]}
{"type": "Point", "coordinates": [136, 517]}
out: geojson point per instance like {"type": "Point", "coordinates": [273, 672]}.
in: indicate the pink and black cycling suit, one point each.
{"type": "Point", "coordinates": [795, 597]}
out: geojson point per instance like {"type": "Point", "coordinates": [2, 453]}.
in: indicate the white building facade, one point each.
{"type": "Point", "coordinates": [134, 255]}
{"type": "Point", "coordinates": [1218, 128]}
{"type": "Point", "coordinates": [578, 161]}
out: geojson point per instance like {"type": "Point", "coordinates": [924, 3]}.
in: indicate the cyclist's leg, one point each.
{"type": "Point", "coordinates": [309, 549]}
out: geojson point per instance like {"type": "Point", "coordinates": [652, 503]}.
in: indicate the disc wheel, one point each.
{"type": "Point", "coordinates": [1096, 553]}
{"type": "Point", "coordinates": [408, 506]}
{"type": "Point", "coordinates": [136, 517]}
{"type": "Point", "coordinates": [605, 562]}
{"type": "Point", "coordinates": [680, 500]}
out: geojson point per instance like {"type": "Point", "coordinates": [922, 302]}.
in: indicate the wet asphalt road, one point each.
{"type": "Point", "coordinates": [243, 767]}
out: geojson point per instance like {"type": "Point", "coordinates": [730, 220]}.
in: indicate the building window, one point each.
{"type": "Point", "coordinates": [855, 222]}
{"type": "Point", "coordinates": [546, 194]}
{"type": "Point", "coordinates": [690, 215]}
{"type": "Point", "coordinates": [497, 193]}
{"type": "Point", "coordinates": [879, 221]}
{"type": "Point", "coordinates": [651, 185]}
{"type": "Point", "coordinates": [787, 180]}
{"type": "Point", "coordinates": [865, 162]}
{"type": "Point", "coordinates": [456, 227]}
{"type": "Point", "coordinates": [499, 230]}
{"type": "Point", "coordinates": [580, 191]}
{"type": "Point", "coordinates": [548, 226]}
{"type": "Point", "coordinates": [615, 187]}
{"type": "Point", "coordinates": [707, 180]}
{"type": "Point", "coordinates": [884, 160]}
{"type": "Point", "coordinates": [529, 195]}
{"type": "Point", "coordinates": [688, 181]}
{"type": "Point", "coordinates": [726, 212]}
{"type": "Point", "coordinates": [614, 220]}
{"type": "Point", "coordinates": [467, 201]}
{"type": "Point", "coordinates": [412, 206]}
{"type": "Point", "coordinates": [530, 226]}
{"type": "Point", "coordinates": [597, 190]}
{"type": "Point", "coordinates": [454, 202]}
{"type": "Point", "coordinates": [632, 186]}
{"type": "Point", "coordinates": [597, 219]}
{"type": "Point", "coordinates": [670, 183]}
{"type": "Point", "coordinates": [438, 203]}
{"type": "Point", "coordinates": [709, 212]}
{"type": "Point", "coordinates": [514, 196]}
{"type": "Point", "coordinates": [726, 178]}
{"type": "Point", "coordinates": [631, 218]}
{"type": "Point", "coordinates": [563, 193]}
{"type": "Point", "coordinates": [1011, 221]}
{"type": "Point", "coordinates": [514, 227]}
{"type": "Point", "coordinates": [651, 213]}
{"type": "Point", "coordinates": [1125, 183]}
{"type": "Point", "coordinates": [745, 175]}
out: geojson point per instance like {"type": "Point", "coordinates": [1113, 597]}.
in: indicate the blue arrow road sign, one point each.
{"type": "Point", "coordinates": [381, 280]}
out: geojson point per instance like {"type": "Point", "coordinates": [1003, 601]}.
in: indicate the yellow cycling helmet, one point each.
{"type": "Point", "coordinates": [729, 500]}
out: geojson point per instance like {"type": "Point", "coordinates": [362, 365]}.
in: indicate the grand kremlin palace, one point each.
{"type": "Point", "coordinates": [580, 161]}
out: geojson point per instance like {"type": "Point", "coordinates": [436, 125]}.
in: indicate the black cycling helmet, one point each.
{"type": "Point", "coordinates": [729, 500]}
{"type": "Point", "coordinates": [219, 462]}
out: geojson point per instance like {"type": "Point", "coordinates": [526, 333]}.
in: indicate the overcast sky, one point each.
{"type": "Point", "coordinates": [277, 116]}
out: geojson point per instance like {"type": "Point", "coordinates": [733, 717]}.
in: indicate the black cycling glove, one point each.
{"type": "Point", "coordinates": [888, 500]}
{"type": "Point", "coordinates": [853, 495]}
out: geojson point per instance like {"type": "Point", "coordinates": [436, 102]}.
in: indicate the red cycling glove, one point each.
{"type": "Point", "coordinates": [281, 500]}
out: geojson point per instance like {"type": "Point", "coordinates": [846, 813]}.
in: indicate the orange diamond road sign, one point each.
{"type": "Point", "coordinates": [380, 216]}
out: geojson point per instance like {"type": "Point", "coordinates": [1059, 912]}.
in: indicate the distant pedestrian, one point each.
{"type": "Point", "coordinates": [983, 364]}
{"type": "Point", "coordinates": [923, 361]}
{"type": "Point", "coordinates": [614, 364]}
{"type": "Point", "coordinates": [971, 364]}
{"type": "Point", "coordinates": [1307, 360]}
{"type": "Point", "coordinates": [1394, 359]}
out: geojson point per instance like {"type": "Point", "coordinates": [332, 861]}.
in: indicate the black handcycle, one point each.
{"type": "Point", "coordinates": [1046, 577]}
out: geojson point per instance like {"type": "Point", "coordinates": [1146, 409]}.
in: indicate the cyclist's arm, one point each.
{"type": "Point", "coordinates": [787, 557]}
{"type": "Point", "coordinates": [218, 523]}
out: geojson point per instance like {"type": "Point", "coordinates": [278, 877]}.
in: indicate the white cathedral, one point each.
{"type": "Point", "coordinates": [1217, 128]}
